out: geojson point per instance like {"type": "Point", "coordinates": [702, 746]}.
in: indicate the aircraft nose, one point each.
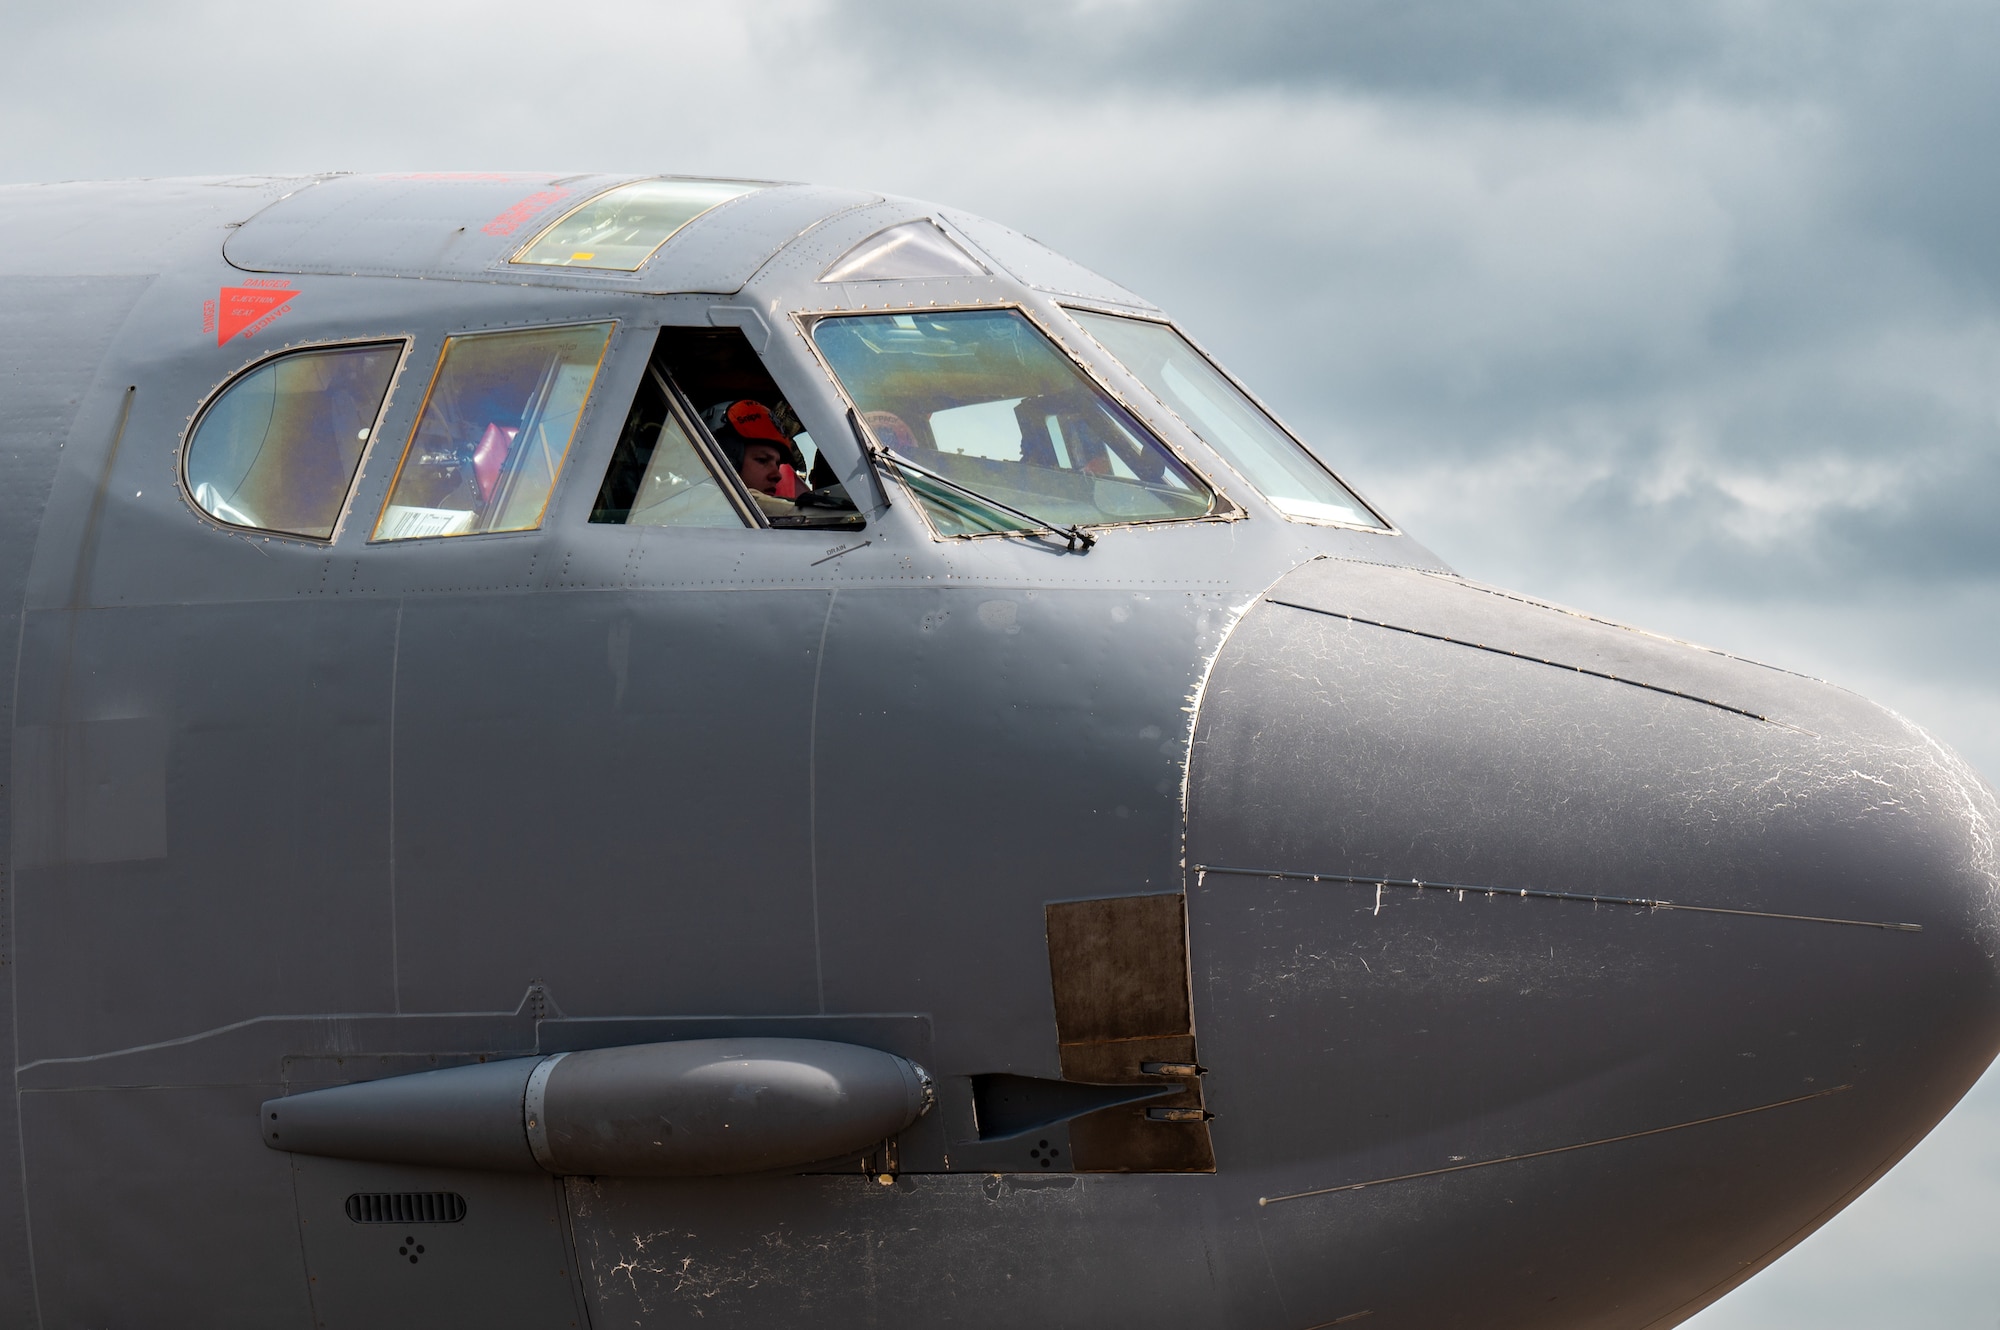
{"type": "Point", "coordinates": [1489, 891]}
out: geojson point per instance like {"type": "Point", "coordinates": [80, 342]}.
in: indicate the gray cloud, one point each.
{"type": "Point", "coordinates": [1547, 51]}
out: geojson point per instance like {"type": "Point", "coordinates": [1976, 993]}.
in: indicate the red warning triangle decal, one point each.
{"type": "Point", "coordinates": [242, 306]}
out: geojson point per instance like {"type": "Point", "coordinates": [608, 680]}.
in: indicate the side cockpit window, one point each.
{"type": "Point", "coordinates": [1228, 420]}
{"type": "Point", "coordinates": [277, 448]}
{"type": "Point", "coordinates": [710, 441]}
{"type": "Point", "coordinates": [494, 429]}
{"type": "Point", "coordinates": [658, 476]}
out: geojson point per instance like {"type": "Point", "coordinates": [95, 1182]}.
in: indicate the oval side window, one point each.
{"type": "Point", "coordinates": [278, 448]}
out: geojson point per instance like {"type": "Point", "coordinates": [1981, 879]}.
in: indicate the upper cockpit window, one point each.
{"type": "Point", "coordinates": [910, 251]}
{"type": "Point", "coordinates": [620, 228]}
{"type": "Point", "coordinates": [1227, 420]}
{"type": "Point", "coordinates": [495, 426]}
{"type": "Point", "coordinates": [984, 399]}
{"type": "Point", "coordinates": [278, 448]}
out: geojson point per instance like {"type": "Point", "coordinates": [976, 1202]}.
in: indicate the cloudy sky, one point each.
{"type": "Point", "coordinates": [1687, 313]}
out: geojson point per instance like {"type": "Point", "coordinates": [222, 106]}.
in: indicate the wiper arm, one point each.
{"type": "Point", "coordinates": [1073, 536]}
{"type": "Point", "coordinates": [868, 451]}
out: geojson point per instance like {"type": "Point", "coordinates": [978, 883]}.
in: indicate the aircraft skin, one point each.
{"type": "Point", "coordinates": [287, 814]}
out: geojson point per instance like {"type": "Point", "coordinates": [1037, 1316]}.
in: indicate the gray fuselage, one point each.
{"type": "Point", "coordinates": [1614, 965]}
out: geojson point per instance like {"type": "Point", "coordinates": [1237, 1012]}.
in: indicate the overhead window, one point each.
{"type": "Point", "coordinates": [983, 402]}
{"type": "Point", "coordinates": [278, 448]}
{"type": "Point", "coordinates": [493, 432]}
{"type": "Point", "coordinates": [910, 251]}
{"type": "Point", "coordinates": [1228, 420]}
{"type": "Point", "coordinates": [620, 228]}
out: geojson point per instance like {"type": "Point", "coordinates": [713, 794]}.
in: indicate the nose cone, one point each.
{"type": "Point", "coordinates": [1438, 831]}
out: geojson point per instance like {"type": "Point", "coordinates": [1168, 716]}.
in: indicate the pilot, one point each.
{"type": "Point", "coordinates": [762, 466]}
{"type": "Point", "coordinates": [762, 454]}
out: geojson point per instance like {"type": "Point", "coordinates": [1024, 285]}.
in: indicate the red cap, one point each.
{"type": "Point", "coordinates": [752, 420]}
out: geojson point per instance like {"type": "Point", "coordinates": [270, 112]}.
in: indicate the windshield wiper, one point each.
{"type": "Point", "coordinates": [1073, 536]}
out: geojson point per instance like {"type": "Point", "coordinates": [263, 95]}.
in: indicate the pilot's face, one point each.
{"type": "Point", "coordinates": [760, 467]}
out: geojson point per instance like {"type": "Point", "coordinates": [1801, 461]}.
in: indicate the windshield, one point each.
{"type": "Point", "coordinates": [1227, 420]}
{"type": "Point", "coordinates": [983, 398]}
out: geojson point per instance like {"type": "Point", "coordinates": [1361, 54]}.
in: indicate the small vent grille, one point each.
{"type": "Point", "coordinates": [406, 1207]}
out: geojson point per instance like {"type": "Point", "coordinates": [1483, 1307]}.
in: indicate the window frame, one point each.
{"type": "Point", "coordinates": [221, 390]}
{"type": "Point", "coordinates": [1388, 527]}
{"type": "Point", "coordinates": [705, 447]}
{"type": "Point", "coordinates": [562, 465]}
{"type": "Point", "coordinates": [1222, 507]}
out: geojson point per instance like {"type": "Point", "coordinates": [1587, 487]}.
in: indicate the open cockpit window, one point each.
{"type": "Point", "coordinates": [710, 441]}
{"type": "Point", "coordinates": [494, 429]}
{"type": "Point", "coordinates": [620, 229]}
{"type": "Point", "coordinates": [277, 449]}
{"type": "Point", "coordinates": [1228, 420]}
{"type": "Point", "coordinates": [983, 399]}
{"type": "Point", "coordinates": [658, 476]}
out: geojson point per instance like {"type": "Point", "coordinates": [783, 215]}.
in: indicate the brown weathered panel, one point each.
{"type": "Point", "coordinates": [1124, 1139]}
{"type": "Point", "coordinates": [1117, 1061]}
{"type": "Point", "coordinates": [1119, 967]}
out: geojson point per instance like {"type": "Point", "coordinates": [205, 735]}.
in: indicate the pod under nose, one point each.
{"type": "Point", "coordinates": [682, 1108]}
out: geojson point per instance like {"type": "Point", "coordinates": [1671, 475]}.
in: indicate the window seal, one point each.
{"type": "Point", "coordinates": [1222, 508]}
{"type": "Point", "coordinates": [1388, 527]}
{"type": "Point", "coordinates": [216, 394]}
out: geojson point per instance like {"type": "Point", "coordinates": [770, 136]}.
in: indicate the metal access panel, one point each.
{"type": "Point", "coordinates": [390, 1245]}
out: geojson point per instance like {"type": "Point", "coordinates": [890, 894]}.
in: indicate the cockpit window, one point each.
{"type": "Point", "coordinates": [495, 426]}
{"type": "Point", "coordinates": [711, 441]}
{"type": "Point", "coordinates": [909, 251]}
{"type": "Point", "coordinates": [1227, 420]}
{"type": "Point", "coordinates": [658, 476]}
{"type": "Point", "coordinates": [983, 399]}
{"type": "Point", "coordinates": [620, 228]}
{"type": "Point", "coordinates": [278, 448]}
